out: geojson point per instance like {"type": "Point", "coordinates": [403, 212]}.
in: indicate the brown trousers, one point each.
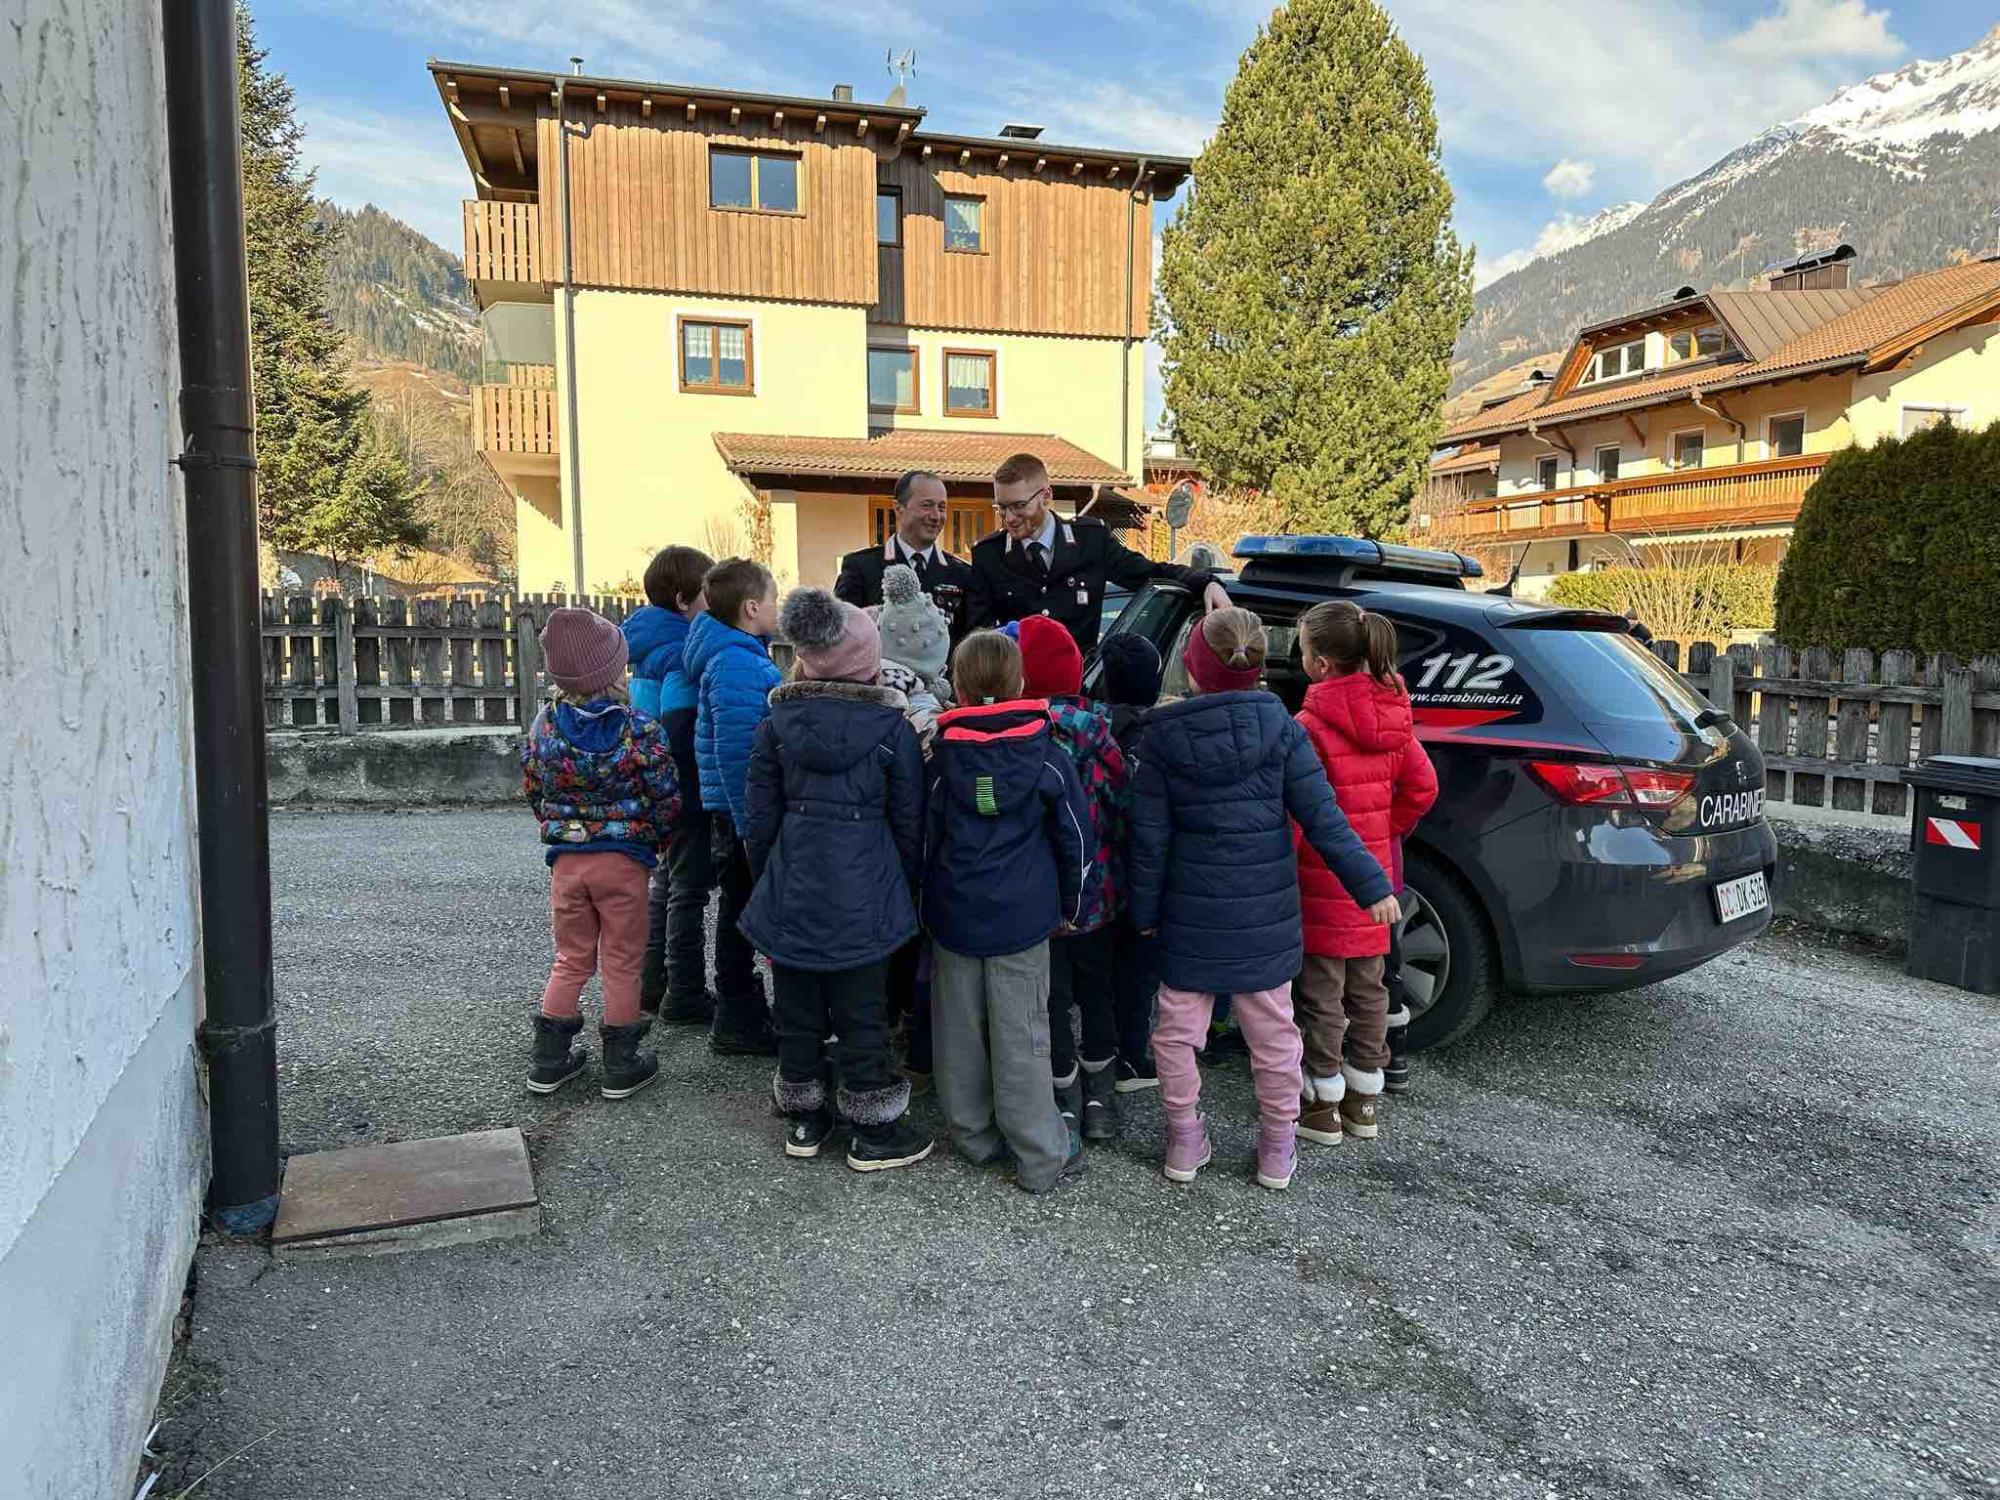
{"type": "Point", "coordinates": [1334, 995]}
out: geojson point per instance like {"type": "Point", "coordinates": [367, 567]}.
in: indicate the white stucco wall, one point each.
{"type": "Point", "coordinates": [101, 1148]}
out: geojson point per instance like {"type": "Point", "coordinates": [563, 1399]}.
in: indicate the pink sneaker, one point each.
{"type": "Point", "coordinates": [1277, 1156]}
{"type": "Point", "coordinates": [1187, 1148]}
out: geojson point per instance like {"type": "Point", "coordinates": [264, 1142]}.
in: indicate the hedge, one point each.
{"type": "Point", "coordinates": [1898, 546]}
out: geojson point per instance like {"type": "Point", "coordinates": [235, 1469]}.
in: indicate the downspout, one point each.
{"type": "Point", "coordinates": [1701, 403]}
{"type": "Point", "coordinates": [1125, 361]}
{"type": "Point", "coordinates": [568, 289]}
{"type": "Point", "coordinates": [218, 465]}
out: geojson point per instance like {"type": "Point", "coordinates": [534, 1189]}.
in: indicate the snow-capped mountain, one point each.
{"type": "Point", "coordinates": [1905, 166]}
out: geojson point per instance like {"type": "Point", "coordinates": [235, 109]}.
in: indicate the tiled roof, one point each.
{"type": "Point", "coordinates": [1469, 460]}
{"type": "Point", "coordinates": [888, 455]}
{"type": "Point", "coordinates": [1817, 333]}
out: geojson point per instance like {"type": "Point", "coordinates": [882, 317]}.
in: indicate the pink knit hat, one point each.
{"type": "Point", "coordinates": [833, 640]}
{"type": "Point", "coordinates": [585, 652]}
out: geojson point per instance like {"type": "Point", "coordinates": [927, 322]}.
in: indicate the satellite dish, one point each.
{"type": "Point", "coordinates": [1180, 505]}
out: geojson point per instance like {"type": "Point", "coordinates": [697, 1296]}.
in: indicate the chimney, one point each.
{"type": "Point", "coordinates": [1020, 132]}
{"type": "Point", "coordinates": [843, 93]}
{"type": "Point", "coordinates": [1824, 270]}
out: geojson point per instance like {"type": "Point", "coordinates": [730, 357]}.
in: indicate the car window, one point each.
{"type": "Point", "coordinates": [1611, 679]}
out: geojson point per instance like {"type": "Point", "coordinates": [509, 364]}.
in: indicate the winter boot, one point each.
{"type": "Point", "coordinates": [808, 1121]}
{"type": "Point", "coordinates": [1277, 1156]}
{"type": "Point", "coordinates": [1396, 1075]}
{"type": "Point", "coordinates": [1187, 1147]}
{"type": "Point", "coordinates": [1136, 1075]}
{"type": "Point", "coordinates": [555, 1061]}
{"type": "Point", "coordinates": [1100, 1102]}
{"type": "Point", "coordinates": [1069, 1097]}
{"type": "Point", "coordinates": [875, 1148]}
{"type": "Point", "coordinates": [1358, 1107]}
{"type": "Point", "coordinates": [697, 1009]}
{"type": "Point", "coordinates": [1072, 1167]}
{"type": "Point", "coordinates": [626, 1068]}
{"type": "Point", "coordinates": [1319, 1110]}
{"type": "Point", "coordinates": [742, 1026]}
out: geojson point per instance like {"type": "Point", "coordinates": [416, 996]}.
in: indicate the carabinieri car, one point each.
{"type": "Point", "coordinates": [1598, 826]}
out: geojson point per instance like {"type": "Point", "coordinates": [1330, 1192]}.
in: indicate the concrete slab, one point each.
{"type": "Point", "coordinates": [408, 1195]}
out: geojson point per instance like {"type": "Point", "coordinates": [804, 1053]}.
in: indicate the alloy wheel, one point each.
{"type": "Point", "coordinates": [1426, 952]}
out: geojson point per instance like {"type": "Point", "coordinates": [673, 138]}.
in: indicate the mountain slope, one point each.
{"type": "Point", "coordinates": [1905, 166]}
{"type": "Point", "coordinates": [397, 296]}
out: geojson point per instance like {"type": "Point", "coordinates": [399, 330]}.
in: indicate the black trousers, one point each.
{"type": "Point", "coordinates": [1080, 980]}
{"type": "Point", "coordinates": [910, 1002]}
{"type": "Point", "coordinates": [1135, 979]}
{"type": "Point", "coordinates": [677, 909]}
{"type": "Point", "coordinates": [851, 1004]}
{"type": "Point", "coordinates": [735, 960]}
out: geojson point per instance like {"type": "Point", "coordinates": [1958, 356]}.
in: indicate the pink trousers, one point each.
{"type": "Point", "coordinates": [1180, 1029]}
{"type": "Point", "coordinates": [597, 904]}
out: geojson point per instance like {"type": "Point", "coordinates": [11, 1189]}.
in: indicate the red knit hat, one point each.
{"type": "Point", "coordinates": [1051, 666]}
{"type": "Point", "coordinates": [1211, 674]}
{"type": "Point", "coordinates": [585, 652]}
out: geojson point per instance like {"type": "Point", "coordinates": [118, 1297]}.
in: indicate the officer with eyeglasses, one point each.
{"type": "Point", "coordinates": [1040, 563]}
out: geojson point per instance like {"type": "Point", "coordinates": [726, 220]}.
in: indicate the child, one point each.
{"type": "Point", "coordinates": [834, 834]}
{"type": "Point", "coordinates": [1080, 961]}
{"type": "Point", "coordinates": [729, 663]}
{"type": "Point", "coordinates": [1006, 858]}
{"type": "Point", "coordinates": [1130, 680]}
{"type": "Point", "coordinates": [1224, 776]}
{"type": "Point", "coordinates": [676, 969]}
{"type": "Point", "coordinates": [1358, 718]}
{"type": "Point", "coordinates": [601, 780]}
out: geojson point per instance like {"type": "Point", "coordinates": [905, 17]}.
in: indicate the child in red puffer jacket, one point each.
{"type": "Point", "coordinates": [1357, 715]}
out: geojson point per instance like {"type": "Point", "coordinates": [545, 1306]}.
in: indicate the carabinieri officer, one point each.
{"type": "Point", "coordinates": [1040, 563]}
{"type": "Point", "coordinates": [920, 517]}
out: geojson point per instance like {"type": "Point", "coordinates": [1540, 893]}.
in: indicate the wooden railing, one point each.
{"type": "Point", "coordinates": [514, 419]}
{"type": "Point", "coordinates": [503, 241]}
{"type": "Point", "coordinates": [1758, 494]}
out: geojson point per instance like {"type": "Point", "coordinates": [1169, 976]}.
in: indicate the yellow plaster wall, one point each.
{"type": "Point", "coordinates": [1961, 368]}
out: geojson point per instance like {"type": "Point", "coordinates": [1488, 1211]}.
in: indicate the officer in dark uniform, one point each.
{"type": "Point", "coordinates": [920, 517]}
{"type": "Point", "coordinates": [1040, 563]}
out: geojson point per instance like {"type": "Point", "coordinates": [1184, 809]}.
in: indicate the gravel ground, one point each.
{"type": "Point", "coordinates": [1730, 1235]}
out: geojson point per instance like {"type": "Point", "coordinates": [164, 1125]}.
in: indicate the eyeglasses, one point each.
{"type": "Point", "coordinates": [1020, 507]}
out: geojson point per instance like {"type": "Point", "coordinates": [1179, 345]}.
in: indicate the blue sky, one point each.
{"type": "Point", "coordinates": [1547, 107]}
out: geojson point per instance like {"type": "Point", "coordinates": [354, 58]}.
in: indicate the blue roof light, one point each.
{"type": "Point", "coordinates": [1360, 550]}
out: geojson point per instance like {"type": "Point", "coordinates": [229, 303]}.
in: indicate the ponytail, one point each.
{"type": "Point", "coordinates": [1342, 632]}
{"type": "Point", "coordinates": [1380, 637]}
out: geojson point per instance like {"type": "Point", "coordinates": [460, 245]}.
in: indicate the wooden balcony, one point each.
{"type": "Point", "coordinates": [503, 243]}
{"type": "Point", "coordinates": [515, 422]}
{"type": "Point", "coordinates": [1759, 494]}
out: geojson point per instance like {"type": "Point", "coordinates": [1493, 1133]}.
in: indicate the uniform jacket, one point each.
{"type": "Point", "coordinates": [834, 826]}
{"type": "Point", "coordinates": [656, 639]}
{"type": "Point", "coordinates": [733, 675]}
{"type": "Point", "coordinates": [1362, 733]}
{"type": "Point", "coordinates": [1007, 836]}
{"type": "Point", "coordinates": [1083, 729]}
{"type": "Point", "coordinates": [949, 585]}
{"type": "Point", "coordinates": [1223, 778]}
{"type": "Point", "coordinates": [1005, 585]}
{"type": "Point", "coordinates": [600, 779]}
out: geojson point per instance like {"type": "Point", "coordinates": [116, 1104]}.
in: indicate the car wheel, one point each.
{"type": "Point", "coordinates": [1450, 973]}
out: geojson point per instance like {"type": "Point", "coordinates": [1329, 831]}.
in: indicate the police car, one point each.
{"type": "Point", "coordinates": [1599, 825]}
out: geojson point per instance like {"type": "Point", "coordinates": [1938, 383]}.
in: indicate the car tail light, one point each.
{"type": "Point", "coordinates": [1590, 783]}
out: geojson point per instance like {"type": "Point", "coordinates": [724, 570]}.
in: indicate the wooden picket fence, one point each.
{"type": "Point", "coordinates": [1842, 739]}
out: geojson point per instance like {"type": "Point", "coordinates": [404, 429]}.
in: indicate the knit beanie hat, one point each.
{"type": "Point", "coordinates": [1132, 669]}
{"type": "Point", "coordinates": [914, 631]}
{"type": "Point", "coordinates": [1051, 666]}
{"type": "Point", "coordinates": [1211, 674]}
{"type": "Point", "coordinates": [834, 640]}
{"type": "Point", "coordinates": [585, 652]}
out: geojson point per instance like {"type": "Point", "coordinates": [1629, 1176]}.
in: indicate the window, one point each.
{"type": "Point", "coordinates": [1607, 463]}
{"type": "Point", "coordinates": [1613, 363]}
{"type": "Point", "coordinates": [1923, 418]}
{"type": "Point", "coordinates": [969, 386]}
{"type": "Point", "coordinates": [888, 216]}
{"type": "Point", "coordinates": [715, 358]}
{"type": "Point", "coordinates": [965, 224]}
{"type": "Point", "coordinates": [892, 380]}
{"type": "Point", "coordinates": [1785, 437]}
{"type": "Point", "coordinates": [761, 181]}
{"type": "Point", "coordinates": [1688, 449]}
{"type": "Point", "coordinates": [1545, 472]}
{"type": "Point", "coordinates": [1695, 343]}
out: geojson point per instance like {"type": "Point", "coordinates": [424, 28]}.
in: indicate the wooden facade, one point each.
{"type": "Point", "coordinates": [1755, 494]}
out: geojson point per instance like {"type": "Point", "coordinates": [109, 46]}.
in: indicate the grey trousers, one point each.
{"type": "Point", "coordinates": [990, 1049]}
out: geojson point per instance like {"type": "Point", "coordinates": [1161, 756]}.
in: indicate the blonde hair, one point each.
{"type": "Point", "coordinates": [1237, 638]}
{"type": "Point", "coordinates": [986, 668]}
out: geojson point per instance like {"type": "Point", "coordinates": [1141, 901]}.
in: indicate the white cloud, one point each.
{"type": "Point", "coordinates": [407, 167]}
{"type": "Point", "coordinates": [1820, 28]}
{"type": "Point", "coordinates": [1570, 178]}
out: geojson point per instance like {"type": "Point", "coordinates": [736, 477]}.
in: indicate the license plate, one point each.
{"type": "Point", "coordinates": [1740, 897]}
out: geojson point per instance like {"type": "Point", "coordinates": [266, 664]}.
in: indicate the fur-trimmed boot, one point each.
{"type": "Point", "coordinates": [1319, 1110]}
{"type": "Point", "coordinates": [626, 1068]}
{"type": "Point", "coordinates": [808, 1122]}
{"type": "Point", "coordinates": [556, 1061]}
{"type": "Point", "coordinates": [884, 1135]}
{"type": "Point", "coordinates": [1358, 1109]}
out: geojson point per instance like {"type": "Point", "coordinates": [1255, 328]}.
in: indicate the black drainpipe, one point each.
{"type": "Point", "coordinates": [219, 472]}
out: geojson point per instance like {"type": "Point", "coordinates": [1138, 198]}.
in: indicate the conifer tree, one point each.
{"type": "Point", "coordinates": [325, 482]}
{"type": "Point", "coordinates": [1311, 285]}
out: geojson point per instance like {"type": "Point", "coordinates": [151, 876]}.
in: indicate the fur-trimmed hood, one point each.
{"type": "Point", "coordinates": [830, 723]}
{"type": "Point", "coordinates": [860, 692]}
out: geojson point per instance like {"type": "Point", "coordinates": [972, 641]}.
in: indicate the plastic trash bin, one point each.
{"type": "Point", "coordinates": [1955, 896]}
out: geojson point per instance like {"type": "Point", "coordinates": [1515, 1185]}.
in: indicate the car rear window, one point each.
{"type": "Point", "coordinates": [1610, 679]}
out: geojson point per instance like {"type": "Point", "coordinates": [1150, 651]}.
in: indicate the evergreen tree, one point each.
{"type": "Point", "coordinates": [1311, 284]}
{"type": "Point", "coordinates": [325, 483]}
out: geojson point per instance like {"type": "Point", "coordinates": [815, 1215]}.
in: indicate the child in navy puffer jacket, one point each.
{"type": "Point", "coordinates": [1007, 857]}
{"type": "Point", "coordinates": [674, 982]}
{"type": "Point", "coordinates": [1130, 685]}
{"type": "Point", "coordinates": [1224, 776]}
{"type": "Point", "coordinates": [601, 780]}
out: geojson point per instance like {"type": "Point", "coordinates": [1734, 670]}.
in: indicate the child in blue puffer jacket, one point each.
{"type": "Point", "coordinates": [674, 982]}
{"type": "Point", "coordinates": [728, 659]}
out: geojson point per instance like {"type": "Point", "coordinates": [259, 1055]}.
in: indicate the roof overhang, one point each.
{"type": "Point", "coordinates": [1162, 173]}
{"type": "Point", "coordinates": [886, 456]}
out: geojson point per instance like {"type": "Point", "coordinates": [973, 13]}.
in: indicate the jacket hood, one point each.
{"type": "Point", "coordinates": [708, 638]}
{"type": "Point", "coordinates": [831, 725]}
{"type": "Point", "coordinates": [997, 753]}
{"type": "Point", "coordinates": [1362, 711]}
{"type": "Point", "coordinates": [594, 726]}
{"type": "Point", "coordinates": [650, 628]}
{"type": "Point", "coordinates": [1218, 738]}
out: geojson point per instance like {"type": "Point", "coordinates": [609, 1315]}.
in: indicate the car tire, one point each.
{"type": "Point", "coordinates": [1471, 967]}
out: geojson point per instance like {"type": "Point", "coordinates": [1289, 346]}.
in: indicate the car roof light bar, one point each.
{"type": "Point", "coordinates": [1355, 549]}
